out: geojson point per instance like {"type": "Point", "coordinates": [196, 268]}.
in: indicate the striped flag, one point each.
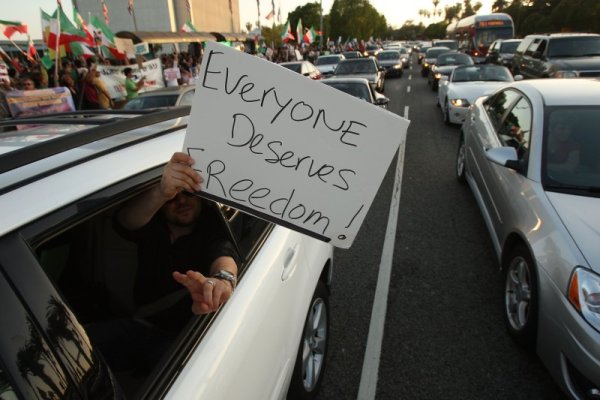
{"type": "Point", "coordinates": [269, 15]}
{"type": "Point", "coordinates": [105, 12]}
{"type": "Point", "coordinates": [11, 27]}
{"type": "Point", "coordinates": [299, 32]}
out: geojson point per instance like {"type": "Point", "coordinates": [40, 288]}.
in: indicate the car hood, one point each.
{"type": "Point", "coordinates": [472, 90]}
{"type": "Point", "coordinates": [577, 63]}
{"type": "Point", "coordinates": [430, 60]}
{"type": "Point", "coordinates": [445, 69]}
{"type": "Point", "coordinates": [581, 217]}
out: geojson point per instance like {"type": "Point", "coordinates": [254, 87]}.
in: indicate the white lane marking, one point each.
{"type": "Point", "coordinates": [408, 89]}
{"type": "Point", "coordinates": [409, 77]}
{"type": "Point", "coordinates": [370, 369]}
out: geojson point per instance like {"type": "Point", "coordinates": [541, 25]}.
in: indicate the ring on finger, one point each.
{"type": "Point", "coordinates": [210, 282]}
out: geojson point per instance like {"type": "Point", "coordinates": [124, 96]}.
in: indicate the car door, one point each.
{"type": "Point", "coordinates": [483, 124]}
{"type": "Point", "coordinates": [250, 349]}
{"type": "Point", "coordinates": [506, 185]}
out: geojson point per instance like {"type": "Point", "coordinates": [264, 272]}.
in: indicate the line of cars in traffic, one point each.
{"type": "Point", "coordinates": [529, 150]}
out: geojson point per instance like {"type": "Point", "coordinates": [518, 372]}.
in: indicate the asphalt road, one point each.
{"type": "Point", "coordinates": [444, 337]}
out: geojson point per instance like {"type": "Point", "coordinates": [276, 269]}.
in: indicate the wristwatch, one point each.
{"type": "Point", "coordinates": [227, 276]}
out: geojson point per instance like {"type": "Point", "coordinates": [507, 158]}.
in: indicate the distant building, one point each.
{"type": "Point", "coordinates": [166, 15]}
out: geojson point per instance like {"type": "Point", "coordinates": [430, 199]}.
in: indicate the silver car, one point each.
{"type": "Point", "coordinates": [530, 153]}
{"type": "Point", "coordinates": [367, 68]}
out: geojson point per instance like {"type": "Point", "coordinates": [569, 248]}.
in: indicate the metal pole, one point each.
{"type": "Point", "coordinates": [134, 21]}
{"type": "Point", "coordinates": [321, 25]}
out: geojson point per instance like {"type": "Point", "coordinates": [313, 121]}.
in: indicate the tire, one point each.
{"type": "Point", "coordinates": [461, 161]}
{"type": "Point", "coordinates": [312, 352]}
{"type": "Point", "coordinates": [521, 296]}
{"type": "Point", "coordinates": [446, 112]}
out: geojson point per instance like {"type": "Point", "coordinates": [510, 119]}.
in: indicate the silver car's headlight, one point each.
{"type": "Point", "coordinates": [460, 102]}
{"type": "Point", "coordinates": [438, 75]}
{"type": "Point", "coordinates": [426, 65]}
{"type": "Point", "coordinates": [584, 295]}
{"type": "Point", "coordinates": [566, 74]}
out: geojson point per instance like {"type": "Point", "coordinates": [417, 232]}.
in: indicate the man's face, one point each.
{"type": "Point", "coordinates": [182, 210]}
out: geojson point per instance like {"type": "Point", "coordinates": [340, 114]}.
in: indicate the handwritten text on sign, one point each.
{"type": "Point", "coordinates": [287, 148]}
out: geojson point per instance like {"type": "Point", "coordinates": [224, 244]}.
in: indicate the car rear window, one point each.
{"type": "Point", "coordinates": [294, 67]}
{"type": "Point", "coordinates": [143, 102]}
{"type": "Point", "coordinates": [509, 47]}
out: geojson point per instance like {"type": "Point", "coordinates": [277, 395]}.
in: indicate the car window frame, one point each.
{"type": "Point", "coordinates": [36, 233]}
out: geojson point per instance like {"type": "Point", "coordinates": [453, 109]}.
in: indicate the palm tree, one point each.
{"type": "Point", "coordinates": [499, 5]}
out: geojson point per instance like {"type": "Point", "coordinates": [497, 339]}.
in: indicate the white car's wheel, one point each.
{"type": "Point", "coordinates": [310, 362]}
{"type": "Point", "coordinates": [446, 111]}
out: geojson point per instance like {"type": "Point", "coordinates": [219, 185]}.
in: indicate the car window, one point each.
{"type": "Point", "coordinates": [294, 67]}
{"type": "Point", "coordinates": [533, 47]}
{"type": "Point", "coordinates": [515, 129]}
{"type": "Point", "coordinates": [6, 390]}
{"type": "Point", "coordinates": [524, 45]}
{"type": "Point", "coordinates": [96, 270]}
{"type": "Point", "coordinates": [509, 47]}
{"type": "Point", "coordinates": [497, 105]}
{"type": "Point", "coordinates": [187, 98]}
{"type": "Point", "coordinates": [571, 146]}
{"type": "Point", "coordinates": [585, 46]}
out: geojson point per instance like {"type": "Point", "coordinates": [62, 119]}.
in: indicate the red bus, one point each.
{"type": "Point", "coordinates": [476, 32]}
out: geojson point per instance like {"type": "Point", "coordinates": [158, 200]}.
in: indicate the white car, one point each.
{"type": "Point", "coordinates": [326, 63]}
{"type": "Point", "coordinates": [63, 269]}
{"type": "Point", "coordinates": [465, 84]}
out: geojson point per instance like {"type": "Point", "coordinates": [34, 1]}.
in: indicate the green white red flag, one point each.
{"type": "Point", "coordinates": [286, 33]}
{"type": "Point", "coordinates": [299, 31]}
{"type": "Point", "coordinates": [9, 28]}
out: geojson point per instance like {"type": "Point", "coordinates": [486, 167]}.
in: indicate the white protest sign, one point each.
{"type": "Point", "coordinates": [286, 148]}
{"type": "Point", "coordinates": [141, 49]}
{"type": "Point", "coordinates": [114, 80]}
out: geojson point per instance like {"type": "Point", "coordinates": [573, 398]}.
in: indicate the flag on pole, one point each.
{"type": "Point", "coordinates": [299, 31]}
{"type": "Point", "coordinates": [102, 33]}
{"type": "Point", "coordinates": [130, 6]}
{"type": "Point", "coordinates": [81, 49]}
{"type": "Point", "coordinates": [310, 35]}
{"type": "Point", "coordinates": [82, 26]}
{"type": "Point", "coordinates": [31, 51]}
{"type": "Point", "coordinates": [12, 27]}
{"type": "Point", "coordinates": [59, 31]}
{"type": "Point", "coordinates": [286, 33]}
{"type": "Point", "coordinates": [188, 27]}
{"type": "Point", "coordinates": [269, 15]}
{"type": "Point", "coordinates": [105, 12]}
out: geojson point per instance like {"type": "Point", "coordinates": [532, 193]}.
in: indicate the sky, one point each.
{"type": "Point", "coordinates": [395, 11]}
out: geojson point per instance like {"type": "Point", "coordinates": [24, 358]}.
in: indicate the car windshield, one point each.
{"type": "Point", "coordinates": [584, 46]}
{"type": "Point", "coordinates": [509, 47]}
{"type": "Point", "coordinates": [327, 60]}
{"type": "Point", "coordinates": [482, 73]}
{"type": "Point", "coordinates": [355, 89]}
{"type": "Point", "coordinates": [451, 44]}
{"type": "Point", "coordinates": [351, 54]}
{"type": "Point", "coordinates": [403, 50]}
{"type": "Point", "coordinates": [296, 67]}
{"type": "Point", "coordinates": [143, 102]}
{"type": "Point", "coordinates": [388, 55]}
{"type": "Point", "coordinates": [356, 67]}
{"type": "Point", "coordinates": [570, 151]}
{"type": "Point", "coordinates": [433, 53]}
{"type": "Point", "coordinates": [454, 59]}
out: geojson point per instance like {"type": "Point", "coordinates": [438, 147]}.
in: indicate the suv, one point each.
{"type": "Point", "coordinates": [63, 267]}
{"type": "Point", "coordinates": [558, 55]}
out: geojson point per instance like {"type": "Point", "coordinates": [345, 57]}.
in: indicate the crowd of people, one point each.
{"type": "Point", "coordinates": [89, 92]}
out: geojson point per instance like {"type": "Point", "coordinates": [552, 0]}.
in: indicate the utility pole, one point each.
{"type": "Point", "coordinates": [321, 26]}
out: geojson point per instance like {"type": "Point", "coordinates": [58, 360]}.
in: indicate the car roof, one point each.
{"type": "Point", "coordinates": [54, 172]}
{"type": "Point", "coordinates": [169, 90]}
{"type": "Point", "coordinates": [346, 80]}
{"type": "Point", "coordinates": [553, 91]}
{"type": "Point", "coordinates": [563, 34]}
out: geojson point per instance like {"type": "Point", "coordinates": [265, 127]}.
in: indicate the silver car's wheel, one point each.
{"type": "Point", "coordinates": [310, 361]}
{"type": "Point", "coordinates": [460, 160]}
{"type": "Point", "coordinates": [520, 296]}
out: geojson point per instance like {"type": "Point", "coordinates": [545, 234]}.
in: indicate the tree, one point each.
{"type": "Point", "coordinates": [499, 5]}
{"type": "Point", "coordinates": [248, 26]}
{"type": "Point", "coordinates": [452, 12]}
{"type": "Point", "coordinates": [356, 19]}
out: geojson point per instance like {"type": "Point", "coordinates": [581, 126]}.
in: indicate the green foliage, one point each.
{"type": "Point", "coordinates": [356, 19]}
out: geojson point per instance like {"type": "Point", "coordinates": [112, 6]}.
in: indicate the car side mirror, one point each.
{"type": "Point", "coordinates": [505, 156]}
{"type": "Point", "coordinates": [518, 77]}
{"type": "Point", "coordinates": [381, 101]}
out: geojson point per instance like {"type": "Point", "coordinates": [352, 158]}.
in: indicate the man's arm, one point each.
{"type": "Point", "coordinates": [178, 175]}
